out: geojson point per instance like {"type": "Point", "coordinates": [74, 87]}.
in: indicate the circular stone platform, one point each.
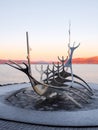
{"type": "Point", "coordinates": [26, 98]}
{"type": "Point", "coordinates": [24, 105]}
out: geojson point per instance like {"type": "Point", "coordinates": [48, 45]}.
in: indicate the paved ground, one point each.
{"type": "Point", "coordinates": [9, 125]}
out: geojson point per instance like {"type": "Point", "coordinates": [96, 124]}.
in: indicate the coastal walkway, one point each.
{"type": "Point", "coordinates": [10, 125]}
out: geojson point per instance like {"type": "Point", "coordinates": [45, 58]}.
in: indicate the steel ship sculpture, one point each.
{"type": "Point", "coordinates": [56, 80]}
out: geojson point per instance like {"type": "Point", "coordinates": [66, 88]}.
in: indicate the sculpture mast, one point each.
{"type": "Point", "coordinates": [69, 32]}
{"type": "Point", "coordinates": [69, 38]}
{"type": "Point", "coordinates": [28, 52]}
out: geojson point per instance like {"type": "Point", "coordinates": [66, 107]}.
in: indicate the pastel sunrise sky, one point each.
{"type": "Point", "coordinates": [47, 22]}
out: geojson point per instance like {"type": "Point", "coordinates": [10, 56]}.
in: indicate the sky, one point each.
{"type": "Point", "coordinates": [47, 23]}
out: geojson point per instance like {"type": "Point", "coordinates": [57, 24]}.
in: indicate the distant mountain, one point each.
{"type": "Point", "coordinates": [90, 60]}
{"type": "Point", "coordinates": [2, 61]}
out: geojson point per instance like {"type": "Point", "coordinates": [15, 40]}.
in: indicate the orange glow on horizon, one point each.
{"type": "Point", "coordinates": [45, 54]}
{"type": "Point", "coordinates": [39, 57]}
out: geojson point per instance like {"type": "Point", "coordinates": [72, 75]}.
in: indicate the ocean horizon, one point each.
{"type": "Point", "coordinates": [9, 75]}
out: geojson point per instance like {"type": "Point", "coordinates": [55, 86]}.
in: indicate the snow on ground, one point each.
{"type": "Point", "coordinates": [54, 118]}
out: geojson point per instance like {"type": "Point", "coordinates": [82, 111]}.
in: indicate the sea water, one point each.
{"type": "Point", "coordinates": [9, 75]}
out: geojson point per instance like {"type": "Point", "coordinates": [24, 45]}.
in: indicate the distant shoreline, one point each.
{"type": "Point", "coordinates": [89, 60]}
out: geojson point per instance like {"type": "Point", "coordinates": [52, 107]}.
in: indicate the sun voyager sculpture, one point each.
{"type": "Point", "coordinates": [56, 81]}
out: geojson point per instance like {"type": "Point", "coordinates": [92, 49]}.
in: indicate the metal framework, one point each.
{"type": "Point", "coordinates": [57, 79]}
